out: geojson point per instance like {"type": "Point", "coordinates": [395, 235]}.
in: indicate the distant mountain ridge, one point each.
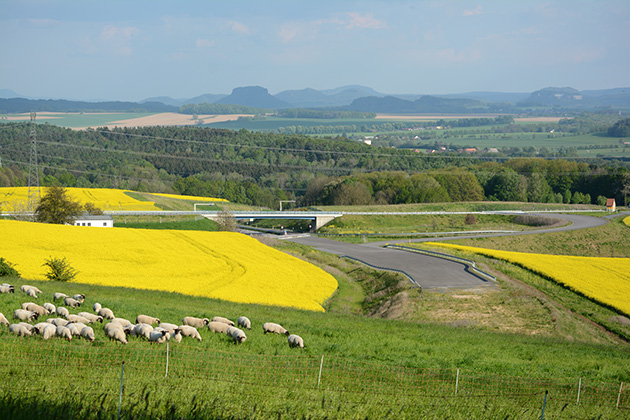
{"type": "Point", "coordinates": [253, 96]}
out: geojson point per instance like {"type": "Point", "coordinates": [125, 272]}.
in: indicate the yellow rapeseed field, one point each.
{"type": "Point", "coordinates": [190, 197]}
{"type": "Point", "coordinates": [222, 265]}
{"type": "Point", "coordinates": [627, 221]}
{"type": "Point", "coordinates": [606, 280]}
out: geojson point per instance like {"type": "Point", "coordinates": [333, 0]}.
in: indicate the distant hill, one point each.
{"type": "Point", "coordinates": [20, 105]}
{"type": "Point", "coordinates": [425, 104]}
{"type": "Point", "coordinates": [568, 97]}
{"type": "Point", "coordinates": [201, 99]}
{"type": "Point", "coordinates": [253, 96]}
{"type": "Point", "coordinates": [505, 97]}
{"type": "Point", "coordinates": [311, 98]}
{"type": "Point", "coordinates": [8, 93]}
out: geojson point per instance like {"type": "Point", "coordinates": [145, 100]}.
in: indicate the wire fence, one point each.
{"type": "Point", "coordinates": [39, 365]}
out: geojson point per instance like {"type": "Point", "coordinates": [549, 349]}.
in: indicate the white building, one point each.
{"type": "Point", "coordinates": [95, 221]}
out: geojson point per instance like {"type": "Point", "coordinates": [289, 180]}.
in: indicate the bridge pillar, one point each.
{"type": "Point", "coordinates": [322, 220]}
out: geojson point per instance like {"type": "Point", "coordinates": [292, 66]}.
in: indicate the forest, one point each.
{"type": "Point", "coordinates": [262, 168]}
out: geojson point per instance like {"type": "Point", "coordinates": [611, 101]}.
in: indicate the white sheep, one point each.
{"type": "Point", "coordinates": [195, 322]}
{"type": "Point", "coordinates": [115, 332]}
{"type": "Point", "coordinates": [71, 302]}
{"type": "Point", "coordinates": [91, 317]}
{"type": "Point", "coordinates": [96, 307]}
{"type": "Point", "coordinates": [87, 333]}
{"type": "Point", "coordinates": [77, 318]}
{"type": "Point", "coordinates": [27, 326]}
{"type": "Point", "coordinates": [37, 328]}
{"type": "Point", "coordinates": [49, 307]}
{"type": "Point", "coordinates": [189, 331]}
{"type": "Point", "coordinates": [146, 319]}
{"type": "Point", "coordinates": [32, 293]}
{"type": "Point", "coordinates": [19, 330]}
{"type": "Point", "coordinates": [238, 335]}
{"type": "Point", "coordinates": [33, 307]}
{"type": "Point", "coordinates": [3, 320]}
{"type": "Point", "coordinates": [122, 321]}
{"type": "Point", "coordinates": [24, 315]}
{"type": "Point", "coordinates": [176, 336]}
{"type": "Point", "coordinates": [74, 328]}
{"type": "Point", "coordinates": [48, 331]}
{"type": "Point", "coordinates": [7, 289]}
{"type": "Point", "coordinates": [25, 287]}
{"type": "Point", "coordinates": [79, 297]}
{"type": "Point", "coordinates": [61, 311]}
{"type": "Point", "coordinates": [59, 296]}
{"type": "Point", "coordinates": [159, 336]}
{"type": "Point", "coordinates": [106, 313]}
{"type": "Point", "coordinates": [167, 326]}
{"type": "Point", "coordinates": [296, 341]}
{"type": "Point", "coordinates": [64, 332]}
{"type": "Point", "coordinates": [57, 321]}
{"type": "Point", "coordinates": [224, 320]}
{"type": "Point", "coordinates": [218, 327]}
{"type": "Point", "coordinates": [244, 322]}
{"type": "Point", "coordinates": [274, 328]}
{"type": "Point", "coordinates": [142, 330]}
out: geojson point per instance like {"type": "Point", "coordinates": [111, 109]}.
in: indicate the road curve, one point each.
{"type": "Point", "coordinates": [432, 272]}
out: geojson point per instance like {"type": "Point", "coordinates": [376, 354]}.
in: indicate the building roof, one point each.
{"type": "Point", "coordinates": [100, 217]}
{"type": "Point", "coordinates": [610, 202]}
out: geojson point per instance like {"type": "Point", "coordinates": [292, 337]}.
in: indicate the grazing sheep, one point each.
{"type": "Point", "coordinates": [61, 311]}
{"type": "Point", "coordinates": [74, 328]}
{"type": "Point", "coordinates": [142, 330]}
{"type": "Point", "coordinates": [79, 297]}
{"type": "Point", "coordinates": [106, 313]}
{"type": "Point", "coordinates": [57, 321]}
{"type": "Point", "coordinates": [7, 289]}
{"type": "Point", "coordinates": [48, 331]}
{"type": "Point", "coordinates": [176, 336]}
{"type": "Point", "coordinates": [59, 296]}
{"type": "Point", "coordinates": [218, 327]}
{"type": "Point", "coordinates": [91, 317]}
{"type": "Point", "coordinates": [238, 335]}
{"type": "Point", "coordinates": [19, 330]}
{"type": "Point", "coordinates": [159, 336]}
{"type": "Point", "coordinates": [122, 321]}
{"type": "Point", "coordinates": [189, 331]}
{"type": "Point", "coordinates": [115, 332]}
{"type": "Point", "coordinates": [224, 320]}
{"type": "Point", "coordinates": [31, 293]}
{"type": "Point", "coordinates": [27, 326]}
{"type": "Point", "coordinates": [37, 328]}
{"type": "Point", "coordinates": [87, 333]}
{"type": "Point", "coordinates": [71, 302]}
{"type": "Point", "coordinates": [33, 307]}
{"type": "Point", "coordinates": [49, 307]}
{"type": "Point", "coordinates": [97, 307]}
{"type": "Point", "coordinates": [146, 319]}
{"type": "Point", "coordinates": [64, 332]}
{"type": "Point", "coordinates": [3, 320]}
{"type": "Point", "coordinates": [195, 322]}
{"type": "Point", "coordinates": [296, 341]}
{"type": "Point", "coordinates": [167, 326]}
{"type": "Point", "coordinates": [244, 322]}
{"type": "Point", "coordinates": [274, 328]}
{"type": "Point", "coordinates": [26, 287]}
{"type": "Point", "coordinates": [77, 318]}
{"type": "Point", "coordinates": [24, 315]}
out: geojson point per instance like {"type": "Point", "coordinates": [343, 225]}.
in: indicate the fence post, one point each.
{"type": "Point", "coordinates": [619, 396]}
{"type": "Point", "coordinates": [321, 365]}
{"type": "Point", "coordinates": [122, 375]}
{"type": "Point", "coordinates": [457, 382]}
{"type": "Point", "coordinates": [579, 390]}
{"type": "Point", "coordinates": [542, 415]}
{"type": "Point", "coordinates": [166, 374]}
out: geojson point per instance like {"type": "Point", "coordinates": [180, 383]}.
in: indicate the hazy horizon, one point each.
{"type": "Point", "coordinates": [130, 51]}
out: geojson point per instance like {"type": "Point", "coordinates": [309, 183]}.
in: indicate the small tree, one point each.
{"type": "Point", "coordinates": [471, 219]}
{"type": "Point", "coordinates": [7, 269]}
{"type": "Point", "coordinates": [92, 210]}
{"type": "Point", "coordinates": [59, 269]}
{"type": "Point", "coordinates": [226, 221]}
{"type": "Point", "coordinates": [56, 207]}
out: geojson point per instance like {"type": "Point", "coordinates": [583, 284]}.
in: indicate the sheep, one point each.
{"type": "Point", "coordinates": [26, 287]}
{"type": "Point", "coordinates": [124, 324]}
{"type": "Point", "coordinates": [64, 332]}
{"type": "Point", "coordinates": [27, 326]}
{"type": "Point", "coordinates": [158, 336]}
{"type": "Point", "coordinates": [106, 313]}
{"type": "Point", "coordinates": [57, 321]}
{"type": "Point", "coordinates": [74, 328]}
{"type": "Point", "coordinates": [48, 331]}
{"type": "Point", "coordinates": [189, 331]}
{"type": "Point", "coordinates": [296, 341]}
{"type": "Point", "coordinates": [79, 297]}
{"type": "Point", "coordinates": [177, 336]}
{"type": "Point", "coordinates": [19, 330]}
{"type": "Point", "coordinates": [167, 326]}
{"type": "Point", "coordinates": [3, 320]}
{"type": "Point", "coordinates": [91, 317]}
{"type": "Point", "coordinates": [33, 307]}
{"type": "Point", "coordinates": [77, 318]}
{"type": "Point", "coordinates": [244, 322]}
{"type": "Point", "coordinates": [146, 319]}
{"type": "Point", "coordinates": [115, 332]}
{"type": "Point", "coordinates": [59, 296]}
{"type": "Point", "coordinates": [142, 330]}
{"type": "Point", "coordinates": [61, 311]}
{"type": "Point", "coordinates": [71, 302]}
{"type": "Point", "coordinates": [96, 307]}
{"type": "Point", "coordinates": [37, 328]}
{"type": "Point", "coordinates": [87, 333]}
{"type": "Point", "coordinates": [195, 322]}
{"type": "Point", "coordinates": [218, 327]}
{"type": "Point", "coordinates": [7, 289]}
{"type": "Point", "coordinates": [274, 328]}
{"type": "Point", "coordinates": [31, 293]}
{"type": "Point", "coordinates": [224, 320]}
{"type": "Point", "coordinates": [238, 335]}
{"type": "Point", "coordinates": [49, 307]}
{"type": "Point", "coordinates": [24, 315]}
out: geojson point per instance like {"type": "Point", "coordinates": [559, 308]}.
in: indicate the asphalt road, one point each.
{"type": "Point", "coordinates": [432, 272]}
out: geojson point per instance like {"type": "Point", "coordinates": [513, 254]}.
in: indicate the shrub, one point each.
{"type": "Point", "coordinates": [534, 220]}
{"type": "Point", "coordinates": [7, 270]}
{"type": "Point", "coordinates": [59, 270]}
{"type": "Point", "coordinates": [471, 219]}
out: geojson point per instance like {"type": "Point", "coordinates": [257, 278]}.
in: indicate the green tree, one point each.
{"type": "Point", "coordinates": [57, 207]}
{"type": "Point", "coordinates": [59, 269]}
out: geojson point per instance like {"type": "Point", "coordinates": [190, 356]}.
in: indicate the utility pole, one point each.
{"type": "Point", "coordinates": [33, 170]}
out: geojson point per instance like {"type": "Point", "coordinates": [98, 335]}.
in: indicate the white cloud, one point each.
{"type": "Point", "coordinates": [239, 27]}
{"type": "Point", "coordinates": [366, 21]}
{"type": "Point", "coordinates": [475, 12]}
{"type": "Point", "coordinates": [205, 43]}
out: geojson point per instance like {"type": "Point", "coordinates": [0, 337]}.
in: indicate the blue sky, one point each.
{"type": "Point", "coordinates": [134, 49]}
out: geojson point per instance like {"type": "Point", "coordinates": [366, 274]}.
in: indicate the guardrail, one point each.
{"type": "Point", "coordinates": [470, 263]}
{"type": "Point", "coordinates": [383, 268]}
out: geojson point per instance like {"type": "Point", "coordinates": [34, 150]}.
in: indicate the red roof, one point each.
{"type": "Point", "coordinates": [610, 202]}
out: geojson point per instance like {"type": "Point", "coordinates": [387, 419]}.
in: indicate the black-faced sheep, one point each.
{"type": "Point", "coordinates": [27, 326]}
{"type": "Point", "coordinates": [48, 331]}
{"type": "Point", "coordinates": [3, 320]}
{"type": "Point", "coordinates": [49, 307]}
{"type": "Point", "coordinates": [115, 332]}
{"type": "Point", "coordinates": [64, 332]}
{"type": "Point", "coordinates": [87, 333]}
{"type": "Point", "coordinates": [79, 297]}
{"type": "Point", "coordinates": [142, 330]}
{"type": "Point", "coordinates": [146, 319]}
{"type": "Point", "coordinates": [244, 322]}
{"type": "Point", "coordinates": [57, 321]}
{"type": "Point", "coordinates": [24, 315]}
{"type": "Point", "coordinates": [71, 302]}
{"type": "Point", "coordinates": [106, 313]}
{"type": "Point", "coordinates": [296, 341]}
{"type": "Point", "coordinates": [33, 307]}
{"type": "Point", "coordinates": [274, 328]}
{"type": "Point", "coordinates": [26, 287]}
{"type": "Point", "coordinates": [91, 317]}
{"type": "Point", "coordinates": [77, 318]}
{"type": "Point", "coordinates": [159, 336]}
{"type": "Point", "coordinates": [238, 335]}
{"type": "Point", "coordinates": [218, 327]}
{"type": "Point", "coordinates": [59, 296]}
{"type": "Point", "coordinates": [195, 322]}
{"type": "Point", "coordinates": [61, 311]}
{"type": "Point", "coordinates": [167, 326]}
{"type": "Point", "coordinates": [96, 307]}
{"type": "Point", "coordinates": [7, 288]}
{"type": "Point", "coordinates": [189, 331]}
{"type": "Point", "coordinates": [32, 293]}
{"type": "Point", "coordinates": [224, 320]}
{"type": "Point", "coordinates": [19, 330]}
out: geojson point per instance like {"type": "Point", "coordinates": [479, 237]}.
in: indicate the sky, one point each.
{"type": "Point", "coordinates": [133, 50]}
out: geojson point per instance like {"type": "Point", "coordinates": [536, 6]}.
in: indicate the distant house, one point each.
{"type": "Point", "coordinates": [470, 150]}
{"type": "Point", "coordinates": [95, 221]}
{"type": "Point", "coordinates": [493, 150]}
{"type": "Point", "coordinates": [611, 205]}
